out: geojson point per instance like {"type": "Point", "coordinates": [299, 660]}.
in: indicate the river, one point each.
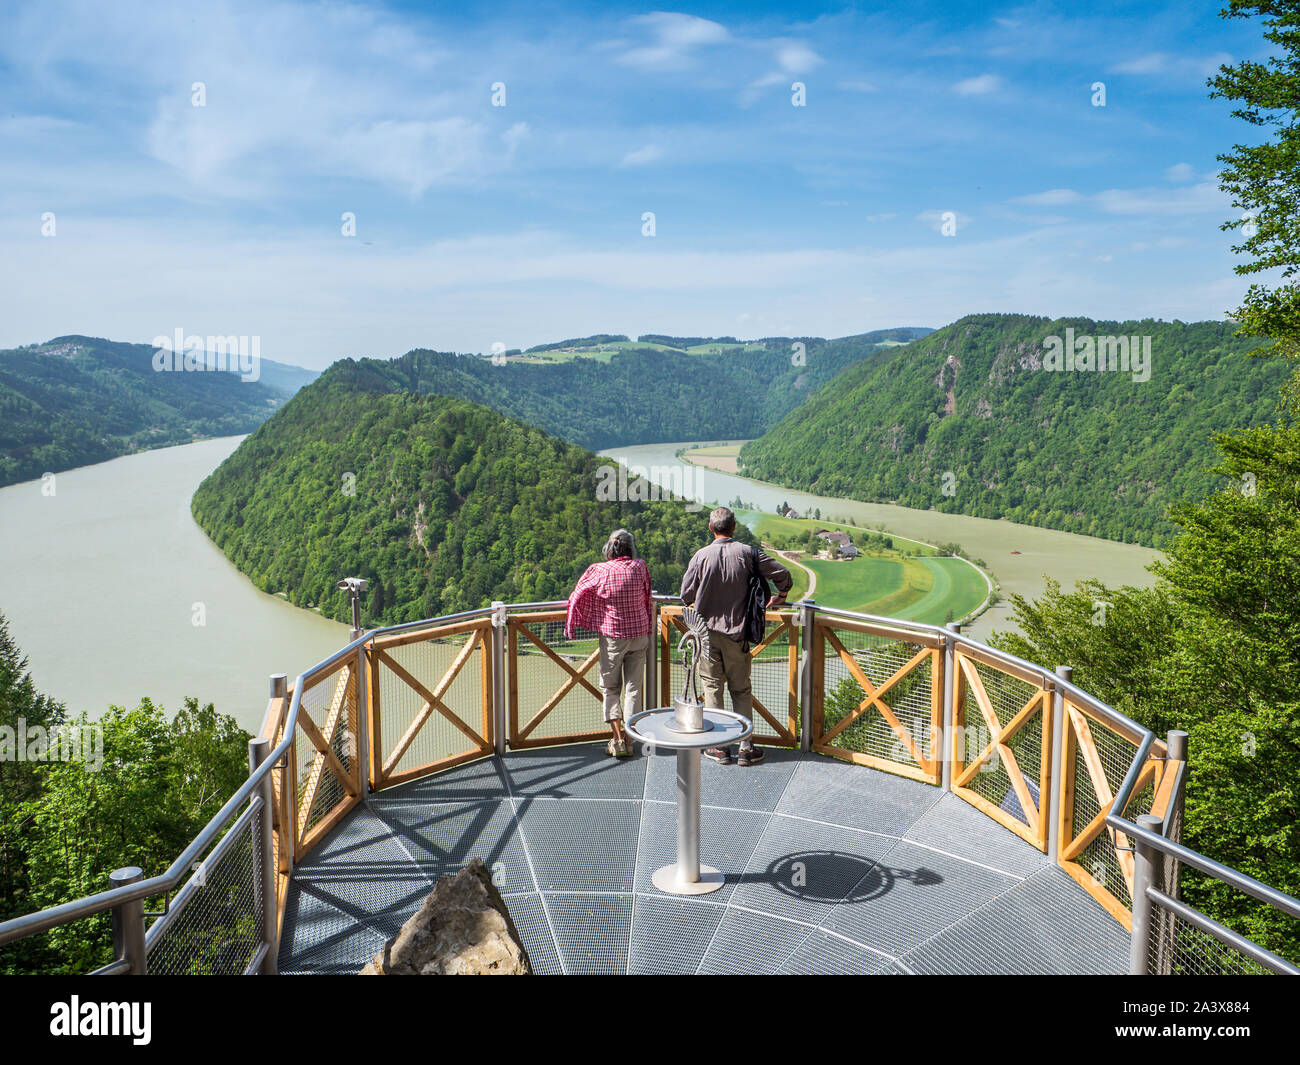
{"type": "Point", "coordinates": [114, 593]}
{"type": "Point", "coordinates": [1017, 555]}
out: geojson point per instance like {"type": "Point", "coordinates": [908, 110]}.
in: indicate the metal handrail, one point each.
{"type": "Point", "coordinates": [1241, 881]}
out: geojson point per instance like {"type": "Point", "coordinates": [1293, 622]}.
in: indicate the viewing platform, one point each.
{"type": "Point", "coordinates": [927, 804]}
{"type": "Point", "coordinates": [830, 868]}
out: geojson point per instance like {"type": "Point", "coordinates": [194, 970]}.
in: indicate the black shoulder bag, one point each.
{"type": "Point", "coordinates": [756, 599]}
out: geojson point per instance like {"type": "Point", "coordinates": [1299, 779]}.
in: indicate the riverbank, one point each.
{"type": "Point", "coordinates": [1020, 557]}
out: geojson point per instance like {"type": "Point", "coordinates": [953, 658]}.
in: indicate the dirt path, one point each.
{"type": "Point", "coordinates": [812, 575]}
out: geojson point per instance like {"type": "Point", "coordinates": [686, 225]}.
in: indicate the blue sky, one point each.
{"type": "Point", "coordinates": [523, 223]}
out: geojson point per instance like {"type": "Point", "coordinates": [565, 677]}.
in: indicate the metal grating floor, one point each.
{"type": "Point", "coordinates": [831, 868]}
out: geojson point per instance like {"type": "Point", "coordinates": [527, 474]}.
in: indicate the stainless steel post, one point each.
{"type": "Point", "coordinates": [807, 617]}
{"type": "Point", "coordinates": [499, 677]}
{"type": "Point", "coordinates": [264, 870]}
{"type": "Point", "coordinates": [1176, 751]}
{"type": "Point", "coordinates": [128, 923]}
{"type": "Point", "coordinates": [688, 815]}
{"type": "Point", "coordinates": [1147, 872]}
{"type": "Point", "coordinates": [280, 690]}
{"type": "Point", "coordinates": [948, 736]}
{"type": "Point", "coordinates": [1066, 673]}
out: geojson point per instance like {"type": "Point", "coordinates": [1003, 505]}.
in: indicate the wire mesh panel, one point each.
{"type": "Point", "coordinates": [878, 698]}
{"type": "Point", "coordinates": [555, 694]}
{"type": "Point", "coordinates": [1181, 949]}
{"type": "Point", "coordinates": [325, 759]}
{"type": "Point", "coordinates": [215, 925]}
{"type": "Point", "coordinates": [1002, 746]}
{"type": "Point", "coordinates": [773, 674]}
{"type": "Point", "coordinates": [431, 700]}
{"type": "Point", "coordinates": [1096, 757]}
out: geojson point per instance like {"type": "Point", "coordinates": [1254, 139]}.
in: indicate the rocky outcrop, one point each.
{"type": "Point", "coordinates": [463, 929]}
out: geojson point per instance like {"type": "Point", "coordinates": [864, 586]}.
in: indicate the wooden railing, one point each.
{"type": "Point", "coordinates": [892, 696]}
{"type": "Point", "coordinates": [878, 697]}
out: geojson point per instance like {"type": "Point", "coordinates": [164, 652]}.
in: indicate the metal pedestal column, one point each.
{"type": "Point", "coordinates": [688, 876]}
{"type": "Point", "coordinates": [688, 736]}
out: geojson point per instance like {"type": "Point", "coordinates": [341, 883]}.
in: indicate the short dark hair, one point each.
{"type": "Point", "coordinates": [722, 521]}
{"type": "Point", "coordinates": [619, 545]}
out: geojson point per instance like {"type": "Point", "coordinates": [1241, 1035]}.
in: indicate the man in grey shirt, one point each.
{"type": "Point", "coordinates": [716, 583]}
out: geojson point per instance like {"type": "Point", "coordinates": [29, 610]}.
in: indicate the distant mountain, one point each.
{"type": "Point", "coordinates": [968, 420]}
{"type": "Point", "coordinates": [78, 400]}
{"type": "Point", "coordinates": [443, 505]}
{"type": "Point", "coordinates": [639, 396]}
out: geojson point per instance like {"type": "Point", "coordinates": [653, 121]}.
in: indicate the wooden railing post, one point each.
{"type": "Point", "coordinates": [264, 871]}
{"type": "Point", "coordinates": [361, 752]}
{"type": "Point", "coordinates": [809, 695]}
{"type": "Point", "coordinates": [652, 660]}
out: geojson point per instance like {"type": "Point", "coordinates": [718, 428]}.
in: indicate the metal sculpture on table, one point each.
{"type": "Point", "coordinates": [688, 710]}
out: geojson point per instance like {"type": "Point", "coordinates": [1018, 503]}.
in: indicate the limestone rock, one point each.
{"type": "Point", "coordinates": [463, 929]}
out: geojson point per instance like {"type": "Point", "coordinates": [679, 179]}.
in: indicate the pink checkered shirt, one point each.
{"type": "Point", "coordinates": [612, 598]}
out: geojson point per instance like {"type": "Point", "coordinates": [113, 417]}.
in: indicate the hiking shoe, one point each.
{"type": "Point", "coordinates": [750, 756]}
{"type": "Point", "coordinates": [721, 755]}
{"type": "Point", "coordinates": [618, 750]}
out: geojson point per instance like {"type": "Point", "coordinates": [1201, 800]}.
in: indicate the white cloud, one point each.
{"type": "Point", "coordinates": [795, 57]}
{"type": "Point", "coordinates": [1180, 173]}
{"type": "Point", "coordinates": [1154, 63]}
{"type": "Point", "coordinates": [981, 85]}
{"type": "Point", "coordinates": [1203, 198]}
{"type": "Point", "coordinates": [676, 37]}
{"type": "Point", "coordinates": [640, 156]}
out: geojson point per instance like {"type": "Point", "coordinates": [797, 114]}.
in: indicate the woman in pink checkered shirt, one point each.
{"type": "Point", "coordinates": [613, 600]}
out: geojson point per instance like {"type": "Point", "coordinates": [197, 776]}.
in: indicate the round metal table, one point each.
{"type": "Point", "coordinates": [660, 728]}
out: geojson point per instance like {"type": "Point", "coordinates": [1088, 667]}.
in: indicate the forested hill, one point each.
{"type": "Point", "coordinates": [77, 400]}
{"type": "Point", "coordinates": [639, 396]}
{"type": "Point", "coordinates": [442, 504]}
{"type": "Point", "coordinates": [968, 420]}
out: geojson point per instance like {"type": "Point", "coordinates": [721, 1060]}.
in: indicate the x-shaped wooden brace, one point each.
{"type": "Point", "coordinates": [432, 700]}
{"type": "Point", "coordinates": [323, 741]}
{"type": "Point", "coordinates": [1000, 741]}
{"type": "Point", "coordinates": [1105, 798]}
{"type": "Point", "coordinates": [875, 697]}
{"type": "Point", "coordinates": [576, 677]}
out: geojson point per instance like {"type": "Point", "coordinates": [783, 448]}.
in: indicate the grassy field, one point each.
{"type": "Point", "coordinates": [915, 589]}
{"type": "Point", "coordinates": [918, 586]}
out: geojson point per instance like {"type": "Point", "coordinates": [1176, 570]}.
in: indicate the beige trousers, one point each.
{"type": "Point", "coordinates": [622, 674]}
{"type": "Point", "coordinates": [727, 666]}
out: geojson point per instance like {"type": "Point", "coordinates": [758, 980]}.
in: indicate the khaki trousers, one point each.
{"type": "Point", "coordinates": [727, 666]}
{"type": "Point", "coordinates": [622, 674]}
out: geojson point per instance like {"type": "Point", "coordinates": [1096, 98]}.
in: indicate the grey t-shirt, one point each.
{"type": "Point", "coordinates": [717, 580]}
